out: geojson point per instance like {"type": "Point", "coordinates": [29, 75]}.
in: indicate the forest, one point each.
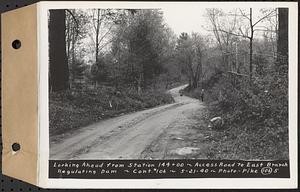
{"type": "Point", "coordinates": [105, 63]}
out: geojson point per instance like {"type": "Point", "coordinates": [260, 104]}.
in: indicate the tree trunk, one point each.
{"type": "Point", "coordinates": [97, 35]}
{"type": "Point", "coordinates": [139, 83]}
{"type": "Point", "coordinates": [250, 58]}
{"type": "Point", "coordinates": [59, 69]}
{"type": "Point", "coordinates": [251, 47]}
{"type": "Point", "coordinates": [236, 67]}
{"type": "Point", "coordinates": [195, 82]}
{"type": "Point", "coordinates": [282, 42]}
{"type": "Point", "coordinates": [225, 61]}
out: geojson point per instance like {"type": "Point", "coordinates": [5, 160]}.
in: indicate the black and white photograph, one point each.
{"type": "Point", "coordinates": [166, 83]}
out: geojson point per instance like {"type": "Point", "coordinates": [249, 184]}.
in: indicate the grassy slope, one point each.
{"type": "Point", "coordinates": [71, 111]}
{"type": "Point", "coordinates": [247, 134]}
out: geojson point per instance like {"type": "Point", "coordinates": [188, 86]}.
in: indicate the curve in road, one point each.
{"type": "Point", "coordinates": [124, 137]}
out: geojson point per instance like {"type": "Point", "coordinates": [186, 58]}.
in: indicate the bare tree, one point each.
{"type": "Point", "coordinates": [191, 52]}
{"type": "Point", "coordinates": [76, 21]}
{"type": "Point", "coordinates": [247, 31]}
{"type": "Point", "coordinates": [225, 40]}
{"type": "Point", "coordinates": [102, 22]}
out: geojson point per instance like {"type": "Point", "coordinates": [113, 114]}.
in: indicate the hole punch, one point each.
{"type": "Point", "coordinates": [16, 44]}
{"type": "Point", "coordinates": [16, 147]}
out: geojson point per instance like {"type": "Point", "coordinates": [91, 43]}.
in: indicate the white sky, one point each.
{"type": "Point", "coordinates": [189, 20]}
{"type": "Point", "coordinates": [193, 18]}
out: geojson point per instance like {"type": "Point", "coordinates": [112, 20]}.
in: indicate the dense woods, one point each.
{"type": "Point", "coordinates": [249, 89]}
{"type": "Point", "coordinates": [129, 48]}
{"type": "Point", "coordinates": [108, 62]}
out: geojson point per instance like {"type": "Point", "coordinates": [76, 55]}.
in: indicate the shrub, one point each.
{"type": "Point", "coordinates": [72, 109]}
{"type": "Point", "coordinates": [256, 113]}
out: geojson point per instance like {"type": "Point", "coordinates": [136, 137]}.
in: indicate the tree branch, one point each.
{"type": "Point", "coordinates": [244, 15]}
{"type": "Point", "coordinates": [238, 35]}
{"type": "Point", "coordinates": [267, 30]}
{"type": "Point", "coordinates": [266, 16]}
{"type": "Point", "coordinates": [108, 42]}
{"type": "Point", "coordinates": [105, 34]}
{"type": "Point", "coordinates": [238, 74]}
{"type": "Point", "coordinates": [74, 18]}
{"type": "Point", "coordinates": [240, 29]}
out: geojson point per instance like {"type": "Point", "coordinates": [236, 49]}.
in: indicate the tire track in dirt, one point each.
{"type": "Point", "coordinates": [124, 137]}
{"type": "Point", "coordinates": [120, 129]}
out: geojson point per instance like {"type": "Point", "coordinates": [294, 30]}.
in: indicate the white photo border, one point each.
{"type": "Point", "coordinates": [180, 183]}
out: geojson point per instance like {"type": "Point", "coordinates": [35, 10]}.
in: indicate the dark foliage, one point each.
{"type": "Point", "coordinates": [255, 115]}
{"type": "Point", "coordinates": [71, 110]}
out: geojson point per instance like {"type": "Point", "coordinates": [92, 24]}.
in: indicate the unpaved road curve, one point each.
{"type": "Point", "coordinates": [124, 137]}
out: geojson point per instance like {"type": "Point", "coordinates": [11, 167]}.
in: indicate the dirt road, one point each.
{"type": "Point", "coordinates": [132, 136]}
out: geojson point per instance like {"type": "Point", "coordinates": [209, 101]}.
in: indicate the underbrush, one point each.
{"type": "Point", "coordinates": [255, 115]}
{"type": "Point", "coordinates": [72, 109]}
{"type": "Point", "coordinates": [238, 142]}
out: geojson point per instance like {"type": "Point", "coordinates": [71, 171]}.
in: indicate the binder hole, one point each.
{"type": "Point", "coordinates": [16, 44]}
{"type": "Point", "coordinates": [16, 147]}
